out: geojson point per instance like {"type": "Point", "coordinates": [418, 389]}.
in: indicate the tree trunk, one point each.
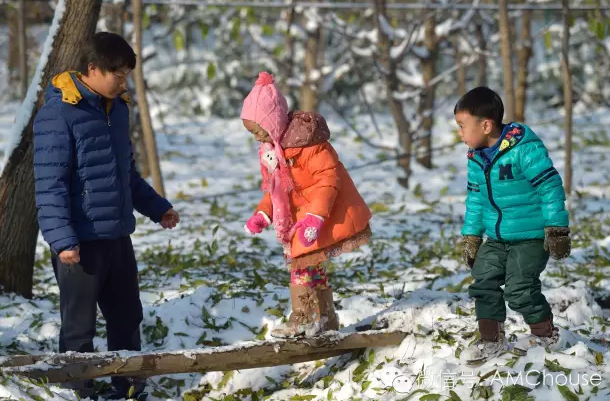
{"type": "Point", "coordinates": [600, 62]}
{"type": "Point", "coordinates": [388, 66]}
{"type": "Point", "coordinates": [426, 103]}
{"type": "Point", "coordinates": [67, 367]}
{"type": "Point", "coordinates": [524, 54]}
{"type": "Point", "coordinates": [309, 89]}
{"type": "Point", "coordinates": [150, 142]}
{"type": "Point", "coordinates": [507, 61]}
{"type": "Point", "coordinates": [114, 14]}
{"type": "Point", "coordinates": [137, 141]}
{"type": "Point", "coordinates": [13, 48]}
{"type": "Point", "coordinates": [289, 57]}
{"type": "Point", "coordinates": [460, 74]}
{"type": "Point", "coordinates": [567, 99]}
{"type": "Point", "coordinates": [23, 50]}
{"type": "Point", "coordinates": [18, 222]}
{"type": "Point", "coordinates": [481, 78]}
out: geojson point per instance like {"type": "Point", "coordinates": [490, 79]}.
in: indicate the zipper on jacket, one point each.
{"type": "Point", "coordinates": [85, 194]}
{"type": "Point", "coordinates": [487, 172]}
{"type": "Point", "coordinates": [118, 167]}
{"type": "Point", "coordinates": [493, 202]}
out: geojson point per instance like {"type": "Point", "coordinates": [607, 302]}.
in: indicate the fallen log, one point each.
{"type": "Point", "coordinates": [57, 368]}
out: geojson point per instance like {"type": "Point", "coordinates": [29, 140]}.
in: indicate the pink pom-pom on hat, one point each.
{"type": "Point", "coordinates": [264, 78]}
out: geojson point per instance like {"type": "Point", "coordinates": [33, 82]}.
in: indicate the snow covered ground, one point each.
{"type": "Point", "coordinates": [208, 283]}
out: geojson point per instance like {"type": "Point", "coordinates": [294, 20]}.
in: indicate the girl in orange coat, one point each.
{"type": "Point", "coordinates": [310, 199]}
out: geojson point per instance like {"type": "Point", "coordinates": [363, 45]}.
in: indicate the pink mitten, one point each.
{"type": "Point", "coordinates": [309, 229]}
{"type": "Point", "coordinates": [257, 223]}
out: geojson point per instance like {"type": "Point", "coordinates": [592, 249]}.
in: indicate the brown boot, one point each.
{"type": "Point", "coordinates": [492, 343]}
{"type": "Point", "coordinates": [544, 334]}
{"type": "Point", "coordinates": [327, 309]}
{"type": "Point", "coordinates": [489, 329]}
{"type": "Point", "coordinates": [312, 313]}
{"type": "Point", "coordinates": [305, 309]}
{"type": "Point", "coordinates": [544, 328]}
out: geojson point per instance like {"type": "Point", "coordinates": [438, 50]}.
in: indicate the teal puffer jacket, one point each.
{"type": "Point", "coordinates": [518, 194]}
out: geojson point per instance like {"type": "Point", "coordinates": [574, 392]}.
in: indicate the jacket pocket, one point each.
{"type": "Point", "coordinates": [86, 203]}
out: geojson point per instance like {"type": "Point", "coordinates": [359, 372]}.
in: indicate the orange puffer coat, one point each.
{"type": "Point", "coordinates": [323, 186]}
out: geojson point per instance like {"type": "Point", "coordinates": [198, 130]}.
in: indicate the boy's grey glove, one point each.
{"type": "Point", "coordinates": [471, 246]}
{"type": "Point", "coordinates": [557, 242]}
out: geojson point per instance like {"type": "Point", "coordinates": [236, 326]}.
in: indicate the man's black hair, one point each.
{"type": "Point", "coordinates": [482, 102]}
{"type": "Point", "coordinates": [109, 52]}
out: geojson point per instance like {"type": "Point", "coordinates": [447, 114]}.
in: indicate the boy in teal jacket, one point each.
{"type": "Point", "coordinates": [516, 198]}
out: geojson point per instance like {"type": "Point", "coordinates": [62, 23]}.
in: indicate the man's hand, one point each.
{"type": "Point", "coordinates": [170, 219]}
{"type": "Point", "coordinates": [70, 257]}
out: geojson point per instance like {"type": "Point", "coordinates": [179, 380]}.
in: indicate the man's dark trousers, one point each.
{"type": "Point", "coordinates": [107, 275]}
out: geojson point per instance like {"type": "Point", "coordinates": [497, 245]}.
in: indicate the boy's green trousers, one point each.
{"type": "Point", "coordinates": [518, 267]}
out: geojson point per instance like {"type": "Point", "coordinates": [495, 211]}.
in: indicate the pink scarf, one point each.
{"type": "Point", "coordinates": [278, 182]}
{"type": "Point", "coordinates": [267, 107]}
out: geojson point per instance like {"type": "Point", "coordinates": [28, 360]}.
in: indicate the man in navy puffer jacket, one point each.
{"type": "Point", "coordinates": [87, 187]}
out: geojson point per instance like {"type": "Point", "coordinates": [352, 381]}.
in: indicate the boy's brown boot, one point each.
{"type": "Point", "coordinates": [492, 343]}
{"type": "Point", "coordinates": [543, 334]}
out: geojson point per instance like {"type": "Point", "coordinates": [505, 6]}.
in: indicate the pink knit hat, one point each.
{"type": "Point", "coordinates": [267, 107]}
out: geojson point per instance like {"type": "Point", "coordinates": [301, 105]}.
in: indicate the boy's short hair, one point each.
{"type": "Point", "coordinates": [482, 102]}
{"type": "Point", "coordinates": [109, 52]}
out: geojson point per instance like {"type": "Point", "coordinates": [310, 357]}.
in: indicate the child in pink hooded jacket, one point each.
{"type": "Point", "coordinates": [310, 199]}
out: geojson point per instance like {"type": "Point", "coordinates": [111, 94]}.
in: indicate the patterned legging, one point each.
{"type": "Point", "coordinates": [314, 277]}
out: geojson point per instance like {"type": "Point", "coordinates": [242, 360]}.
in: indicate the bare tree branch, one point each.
{"type": "Point", "coordinates": [358, 134]}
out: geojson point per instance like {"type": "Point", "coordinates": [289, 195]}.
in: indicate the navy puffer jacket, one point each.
{"type": "Point", "coordinates": [86, 181]}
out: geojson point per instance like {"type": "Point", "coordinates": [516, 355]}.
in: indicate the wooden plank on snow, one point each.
{"type": "Point", "coordinates": [58, 368]}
